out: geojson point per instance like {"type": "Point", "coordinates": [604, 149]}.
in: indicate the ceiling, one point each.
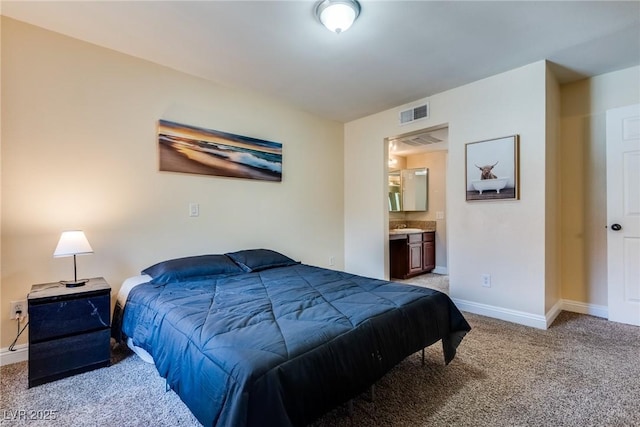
{"type": "Point", "coordinates": [395, 53]}
{"type": "Point", "coordinates": [421, 141]}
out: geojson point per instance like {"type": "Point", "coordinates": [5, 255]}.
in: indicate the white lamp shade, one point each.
{"type": "Point", "coordinates": [338, 15]}
{"type": "Point", "coordinates": [72, 243]}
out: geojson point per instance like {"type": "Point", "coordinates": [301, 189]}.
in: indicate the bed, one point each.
{"type": "Point", "coordinates": [253, 338]}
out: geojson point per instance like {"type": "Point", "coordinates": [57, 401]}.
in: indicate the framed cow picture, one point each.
{"type": "Point", "coordinates": [492, 169]}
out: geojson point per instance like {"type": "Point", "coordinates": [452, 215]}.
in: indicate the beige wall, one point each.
{"type": "Point", "coordinates": [547, 250]}
{"type": "Point", "coordinates": [505, 239]}
{"type": "Point", "coordinates": [582, 171]}
{"type": "Point", "coordinates": [436, 162]}
{"type": "Point", "coordinates": [79, 150]}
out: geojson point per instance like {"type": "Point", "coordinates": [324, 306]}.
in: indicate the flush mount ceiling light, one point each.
{"type": "Point", "coordinates": [338, 15]}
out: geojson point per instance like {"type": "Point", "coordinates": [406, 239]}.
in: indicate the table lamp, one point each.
{"type": "Point", "coordinates": [73, 243]}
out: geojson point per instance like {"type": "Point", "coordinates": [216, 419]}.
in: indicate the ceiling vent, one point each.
{"type": "Point", "coordinates": [420, 140]}
{"type": "Point", "coordinates": [415, 113]}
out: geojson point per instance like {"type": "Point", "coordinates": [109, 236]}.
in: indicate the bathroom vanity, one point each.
{"type": "Point", "coordinates": [411, 253]}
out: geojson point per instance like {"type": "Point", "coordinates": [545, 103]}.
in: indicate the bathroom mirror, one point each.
{"type": "Point", "coordinates": [395, 192]}
{"type": "Point", "coordinates": [408, 190]}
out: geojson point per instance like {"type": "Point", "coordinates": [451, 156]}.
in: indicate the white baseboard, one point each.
{"type": "Point", "coordinates": [553, 313]}
{"type": "Point", "coordinates": [20, 355]}
{"type": "Point", "coordinates": [584, 308]}
{"type": "Point", "coordinates": [515, 316]}
{"type": "Point", "coordinates": [440, 270]}
{"type": "Point", "coordinates": [528, 319]}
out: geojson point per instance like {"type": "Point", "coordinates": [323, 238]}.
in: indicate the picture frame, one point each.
{"type": "Point", "coordinates": [492, 169]}
{"type": "Point", "coordinates": [195, 150]}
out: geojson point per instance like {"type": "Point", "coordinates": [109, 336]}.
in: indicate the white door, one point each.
{"type": "Point", "coordinates": [623, 213]}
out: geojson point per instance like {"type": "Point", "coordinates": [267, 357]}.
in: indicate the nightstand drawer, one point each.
{"type": "Point", "coordinates": [59, 358]}
{"type": "Point", "coordinates": [67, 315]}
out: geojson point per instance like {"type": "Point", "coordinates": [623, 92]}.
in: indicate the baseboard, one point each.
{"type": "Point", "coordinates": [528, 319]}
{"type": "Point", "coordinates": [440, 270]}
{"type": "Point", "coordinates": [515, 316]}
{"type": "Point", "coordinates": [585, 308]}
{"type": "Point", "coordinates": [553, 313]}
{"type": "Point", "coordinates": [20, 355]}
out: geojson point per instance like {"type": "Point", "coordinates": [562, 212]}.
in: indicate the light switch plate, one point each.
{"type": "Point", "coordinates": [194, 209]}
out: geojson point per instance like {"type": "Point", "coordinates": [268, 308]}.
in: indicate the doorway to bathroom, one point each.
{"type": "Point", "coordinates": [416, 151]}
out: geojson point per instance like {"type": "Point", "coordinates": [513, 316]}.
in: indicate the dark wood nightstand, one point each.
{"type": "Point", "coordinates": [69, 329]}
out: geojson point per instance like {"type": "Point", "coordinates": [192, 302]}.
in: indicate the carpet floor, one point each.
{"type": "Point", "coordinates": [583, 371]}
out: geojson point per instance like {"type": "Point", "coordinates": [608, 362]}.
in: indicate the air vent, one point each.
{"type": "Point", "coordinates": [413, 114]}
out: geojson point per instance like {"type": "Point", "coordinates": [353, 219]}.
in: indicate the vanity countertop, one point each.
{"type": "Point", "coordinates": [400, 233]}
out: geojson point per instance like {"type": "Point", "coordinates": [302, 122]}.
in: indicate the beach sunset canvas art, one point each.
{"type": "Point", "coordinates": [191, 149]}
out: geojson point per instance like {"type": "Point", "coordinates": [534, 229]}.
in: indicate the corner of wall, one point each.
{"type": "Point", "coordinates": [552, 190]}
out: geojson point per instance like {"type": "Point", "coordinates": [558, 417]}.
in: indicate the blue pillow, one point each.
{"type": "Point", "coordinates": [260, 259]}
{"type": "Point", "coordinates": [180, 269]}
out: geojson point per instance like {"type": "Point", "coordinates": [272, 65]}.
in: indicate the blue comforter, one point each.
{"type": "Point", "coordinates": [282, 346]}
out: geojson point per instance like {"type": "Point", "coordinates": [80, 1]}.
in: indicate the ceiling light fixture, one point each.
{"type": "Point", "coordinates": [338, 15]}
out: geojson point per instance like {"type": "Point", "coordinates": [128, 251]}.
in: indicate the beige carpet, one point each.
{"type": "Point", "coordinates": [430, 280]}
{"type": "Point", "coordinates": [583, 371]}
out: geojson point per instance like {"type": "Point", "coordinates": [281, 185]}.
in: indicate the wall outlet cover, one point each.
{"type": "Point", "coordinates": [18, 306]}
{"type": "Point", "coordinates": [486, 280]}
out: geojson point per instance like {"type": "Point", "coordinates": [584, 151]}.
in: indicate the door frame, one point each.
{"type": "Point", "coordinates": [386, 142]}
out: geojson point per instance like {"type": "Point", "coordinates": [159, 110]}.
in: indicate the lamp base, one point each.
{"type": "Point", "coordinates": [75, 283]}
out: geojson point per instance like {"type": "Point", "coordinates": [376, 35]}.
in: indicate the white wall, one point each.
{"type": "Point", "coordinates": [552, 197]}
{"type": "Point", "coordinates": [79, 150]}
{"type": "Point", "coordinates": [503, 238]}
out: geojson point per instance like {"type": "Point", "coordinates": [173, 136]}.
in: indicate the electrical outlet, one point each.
{"type": "Point", "coordinates": [332, 261]}
{"type": "Point", "coordinates": [486, 280]}
{"type": "Point", "coordinates": [16, 306]}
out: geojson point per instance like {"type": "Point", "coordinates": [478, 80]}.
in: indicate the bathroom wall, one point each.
{"type": "Point", "coordinates": [436, 162]}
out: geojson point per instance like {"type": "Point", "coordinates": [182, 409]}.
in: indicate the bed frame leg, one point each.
{"type": "Point", "coordinates": [350, 408]}
{"type": "Point", "coordinates": [372, 393]}
{"type": "Point", "coordinates": [167, 387]}
{"type": "Point", "coordinates": [423, 357]}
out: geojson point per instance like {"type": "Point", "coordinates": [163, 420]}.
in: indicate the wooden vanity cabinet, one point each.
{"type": "Point", "coordinates": [412, 254]}
{"type": "Point", "coordinates": [428, 252]}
